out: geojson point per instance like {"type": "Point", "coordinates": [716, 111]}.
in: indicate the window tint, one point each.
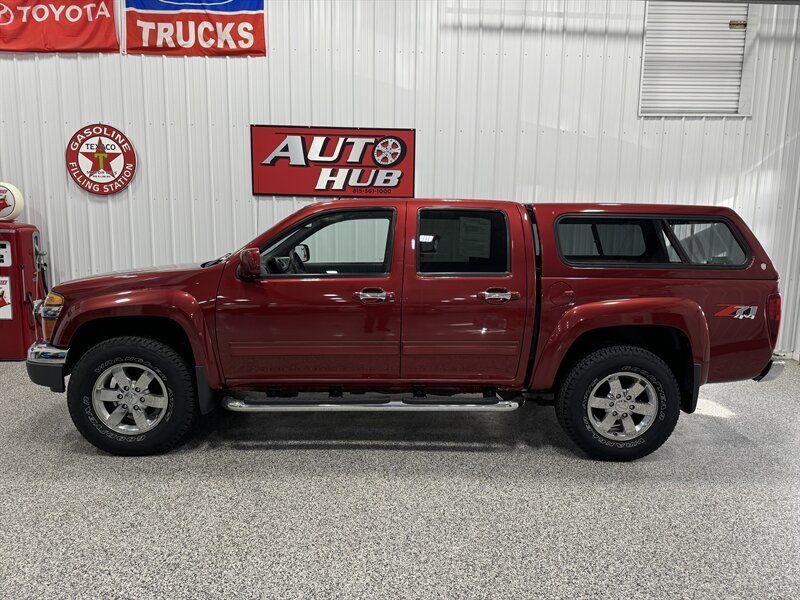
{"type": "Point", "coordinates": [623, 239]}
{"type": "Point", "coordinates": [462, 241]}
{"type": "Point", "coordinates": [708, 242]}
{"type": "Point", "coordinates": [346, 243]}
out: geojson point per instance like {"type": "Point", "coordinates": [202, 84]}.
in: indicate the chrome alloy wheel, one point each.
{"type": "Point", "coordinates": [622, 406]}
{"type": "Point", "coordinates": [129, 398]}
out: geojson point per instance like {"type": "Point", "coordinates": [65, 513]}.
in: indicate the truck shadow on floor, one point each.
{"type": "Point", "coordinates": [531, 426]}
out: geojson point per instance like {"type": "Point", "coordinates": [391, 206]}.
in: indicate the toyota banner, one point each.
{"type": "Point", "coordinates": [57, 26]}
{"type": "Point", "coordinates": [330, 161]}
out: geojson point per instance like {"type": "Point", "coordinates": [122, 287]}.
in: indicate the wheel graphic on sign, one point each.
{"type": "Point", "coordinates": [389, 151]}
{"type": "Point", "coordinates": [6, 15]}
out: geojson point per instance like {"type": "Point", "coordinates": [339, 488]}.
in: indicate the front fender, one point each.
{"type": "Point", "coordinates": [680, 313]}
{"type": "Point", "coordinates": [177, 305]}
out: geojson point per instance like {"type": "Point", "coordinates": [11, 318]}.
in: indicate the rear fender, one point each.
{"type": "Point", "coordinates": [680, 313]}
{"type": "Point", "coordinates": [176, 305]}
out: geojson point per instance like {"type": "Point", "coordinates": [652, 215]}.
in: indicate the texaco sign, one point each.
{"type": "Point", "coordinates": [101, 159]}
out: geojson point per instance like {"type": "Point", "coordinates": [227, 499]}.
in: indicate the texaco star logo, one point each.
{"type": "Point", "coordinates": [101, 159]}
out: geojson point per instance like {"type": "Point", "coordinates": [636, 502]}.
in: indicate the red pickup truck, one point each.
{"type": "Point", "coordinates": [617, 313]}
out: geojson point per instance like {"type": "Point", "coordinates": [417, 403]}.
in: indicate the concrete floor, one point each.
{"type": "Point", "coordinates": [389, 506]}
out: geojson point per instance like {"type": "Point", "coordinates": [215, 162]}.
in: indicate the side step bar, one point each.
{"type": "Point", "coordinates": [252, 402]}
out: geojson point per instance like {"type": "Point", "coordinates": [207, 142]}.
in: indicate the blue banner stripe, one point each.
{"type": "Point", "coordinates": [217, 6]}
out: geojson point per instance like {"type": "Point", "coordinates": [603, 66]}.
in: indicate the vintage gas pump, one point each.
{"type": "Point", "coordinates": [22, 277]}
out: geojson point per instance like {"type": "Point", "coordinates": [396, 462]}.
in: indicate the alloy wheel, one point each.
{"type": "Point", "coordinates": [130, 398]}
{"type": "Point", "coordinates": [622, 406]}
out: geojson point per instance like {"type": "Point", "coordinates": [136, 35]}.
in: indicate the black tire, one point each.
{"type": "Point", "coordinates": [180, 412]}
{"type": "Point", "coordinates": [573, 397]}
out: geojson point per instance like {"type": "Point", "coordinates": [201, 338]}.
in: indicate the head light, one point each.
{"type": "Point", "coordinates": [50, 310]}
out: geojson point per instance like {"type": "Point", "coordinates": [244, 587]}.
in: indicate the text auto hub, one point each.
{"type": "Point", "coordinates": [325, 150]}
{"type": "Point", "coordinates": [329, 161]}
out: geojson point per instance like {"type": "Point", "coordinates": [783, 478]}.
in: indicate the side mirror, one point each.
{"type": "Point", "coordinates": [303, 252]}
{"type": "Point", "coordinates": [250, 263]}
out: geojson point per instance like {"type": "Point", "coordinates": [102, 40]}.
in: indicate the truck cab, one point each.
{"type": "Point", "coordinates": [615, 313]}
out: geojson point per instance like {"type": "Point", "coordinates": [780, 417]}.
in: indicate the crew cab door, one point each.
{"type": "Point", "coordinates": [327, 306]}
{"type": "Point", "coordinates": [465, 296]}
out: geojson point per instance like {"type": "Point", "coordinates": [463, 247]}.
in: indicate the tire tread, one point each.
{"type": "Point", "coordinates": [567, 393]}
{"type": "Point", "coordinates": [166, 354]}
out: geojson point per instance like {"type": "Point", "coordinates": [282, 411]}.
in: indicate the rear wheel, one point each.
{"type": "Point", "coordinates": [132, 396]}
{"type": "Point", "coordinates": [619, 403]}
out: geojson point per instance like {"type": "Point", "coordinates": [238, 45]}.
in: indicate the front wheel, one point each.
{"type": "Point", "coordinates": [619, 403]}
{"type": "Point", "coordinates": [132, 396]}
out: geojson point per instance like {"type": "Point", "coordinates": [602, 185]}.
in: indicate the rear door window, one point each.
{"type": "Point", "coordinates": [463, 242]}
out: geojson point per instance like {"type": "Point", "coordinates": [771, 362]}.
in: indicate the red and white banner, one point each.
{"type": "Point", "coordinates": [195, 27]}
{"type": "Point", "coordinates": [57, 26]}
{"type": "Point", "coordinates": [331, 161]}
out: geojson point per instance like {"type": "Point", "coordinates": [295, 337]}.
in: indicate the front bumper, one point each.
{"type": "Point", "coordinates": [46, 365]}
{"type": "Point", "coordinates": [772, 371]}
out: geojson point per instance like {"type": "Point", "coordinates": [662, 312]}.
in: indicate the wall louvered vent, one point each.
{"type": "Point", "coordinates": [693, 58]}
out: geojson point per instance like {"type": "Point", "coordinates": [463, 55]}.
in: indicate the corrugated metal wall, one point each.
{"type": "Point", "coordinates": [528, 101]}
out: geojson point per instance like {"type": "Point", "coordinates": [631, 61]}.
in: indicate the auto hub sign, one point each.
{"type": "Point", "coordinates": [58, 26]}
{"type": "Point", "coordinates": [195, 27]}
{"type": "Point", "coordinates": [311, 161]}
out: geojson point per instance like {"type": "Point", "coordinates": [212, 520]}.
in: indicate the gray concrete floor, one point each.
{"type": "Point", "coordinates": [389, 506]}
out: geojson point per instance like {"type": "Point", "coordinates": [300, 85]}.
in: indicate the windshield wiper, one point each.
{"type": "Point", "coordinates": [216, 261]}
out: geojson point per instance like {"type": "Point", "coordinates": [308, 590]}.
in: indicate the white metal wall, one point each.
{"type": "Point", "coordinates": [514, 99]}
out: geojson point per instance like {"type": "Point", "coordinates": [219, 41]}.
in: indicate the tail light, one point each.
{"type": "Point", "coordinates": [774, 316]}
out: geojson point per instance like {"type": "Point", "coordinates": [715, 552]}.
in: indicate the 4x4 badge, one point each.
{"type": "Point", "coordinates": [737, 311]}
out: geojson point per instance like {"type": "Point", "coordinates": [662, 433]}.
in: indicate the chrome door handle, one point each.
{"type": "Point", "coordinates": [498, 295]}
{"type": "Point", "coordinates": [373, 296]}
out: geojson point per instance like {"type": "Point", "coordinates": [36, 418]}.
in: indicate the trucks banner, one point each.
{"type": "Point", "coordinates": [58, 26]}
{"type": "Point", "coordinates": [331, 161]}
{"type": "Point", "coordinates": [195, 27]}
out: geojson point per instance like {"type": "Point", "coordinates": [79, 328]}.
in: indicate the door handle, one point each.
{"type": "Point", "coordinates": [373, 296]}
{"type": "Point", "coordinates": [498, 295]}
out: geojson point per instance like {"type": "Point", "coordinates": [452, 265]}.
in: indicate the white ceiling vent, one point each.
{"type": "Point", "coordinates": [696, 59]}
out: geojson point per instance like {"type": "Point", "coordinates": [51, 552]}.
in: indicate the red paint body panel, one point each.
{"type": "Point", "coordinates": [448, 331]}
{"type": "Point", "coordinates": [308, 328]}
{"type": "Point", "coordinates": [738, 349]}
{"type": "Point", "coordinates": [559, 332]}
{"type": "Point", "coordinates": [185, 294]}
{"type": "Point", "coordinates": [308, 333]}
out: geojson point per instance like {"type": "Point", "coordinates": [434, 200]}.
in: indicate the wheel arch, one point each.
{"type": "Point", "coordinates": [170, 316]}
{"type": "Point", "coordinates": [94, 331]}
{"type": "Point", "coordinates": [674, 329]}
{"type": "Point", "coordinates": [670, 344]}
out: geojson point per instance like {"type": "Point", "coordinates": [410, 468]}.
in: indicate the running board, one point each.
{"type": "Point", "coordinates": [257, 402]}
